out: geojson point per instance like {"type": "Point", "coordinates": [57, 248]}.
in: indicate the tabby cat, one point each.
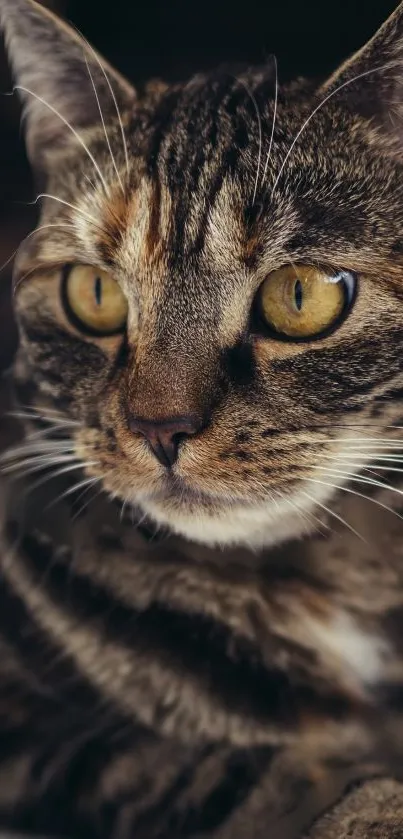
{"type": "Point", "coordinates": [201, 603]}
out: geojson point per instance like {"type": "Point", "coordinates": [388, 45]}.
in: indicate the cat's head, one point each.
{"type": "Point", "coordinates": [214, 293]}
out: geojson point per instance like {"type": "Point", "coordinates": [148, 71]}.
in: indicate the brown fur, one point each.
{"type": "Point", "coordinates": [223, 679]}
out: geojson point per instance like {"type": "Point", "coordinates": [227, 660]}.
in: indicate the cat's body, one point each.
{"type": "Point", "coordinates": [152, 690]}
{"type": "Point", "coordinates": [189, 359]}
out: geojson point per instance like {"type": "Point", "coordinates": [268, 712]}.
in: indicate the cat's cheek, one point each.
{"type": "Point", "coordinates": [122, 463]}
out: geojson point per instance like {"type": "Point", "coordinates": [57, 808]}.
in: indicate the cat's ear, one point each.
{"type": "Point", "coordinates": [57, 74]}
{"type": "Point", "coordinates": [370, 83]}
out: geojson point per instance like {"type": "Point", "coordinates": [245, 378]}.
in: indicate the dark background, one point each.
{"type": "Point", "coordinates": [170, 39]}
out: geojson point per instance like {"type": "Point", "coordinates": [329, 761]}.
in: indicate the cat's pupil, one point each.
{"type": "Point", "coordinates": [298, 295]}
{"type": "Point", "coordinates": [98, 291]}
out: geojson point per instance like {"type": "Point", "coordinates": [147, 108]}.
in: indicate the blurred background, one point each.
{"type": "Point", "coordinates": [171, 39]}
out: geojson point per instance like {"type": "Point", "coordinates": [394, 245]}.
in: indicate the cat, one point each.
{"type": "Point", "coordinates": [200, 600]}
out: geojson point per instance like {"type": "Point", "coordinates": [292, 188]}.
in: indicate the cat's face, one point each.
{"type": "Point", "coordinates": [216, 295]}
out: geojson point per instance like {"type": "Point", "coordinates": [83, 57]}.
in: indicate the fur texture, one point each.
{"type": "Point", "coordinates": [221, 679]}
{"type": "Point", "coordinates": [190, 230]}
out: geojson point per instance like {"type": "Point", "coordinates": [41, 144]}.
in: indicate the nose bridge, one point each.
{"type": "Point", "coordinates": [176, 350]}
{"type": "Point", "coordinates": [172, 376]}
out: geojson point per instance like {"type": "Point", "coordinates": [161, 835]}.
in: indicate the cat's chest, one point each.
{"type": "Point", "coordinates": [359, 560]}
{"type": "Point", "coordinates": [195, 642]}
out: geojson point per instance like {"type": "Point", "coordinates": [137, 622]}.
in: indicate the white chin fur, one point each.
{"type": "Point", "coordinates": [255, 527]}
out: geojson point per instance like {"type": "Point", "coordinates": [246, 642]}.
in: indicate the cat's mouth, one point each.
{"type": "Point", "coordinates": [214, 519]}
{"type": "Point", "coordinates": [177, 493]}
{"type": "Point", "coordinates": [176, 489]}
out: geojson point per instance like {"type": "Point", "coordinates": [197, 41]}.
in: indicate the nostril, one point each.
{"type": "Point", "coordinates": [165, 451]}
{"type": "Point", "coordinates": [178, 438]}
{"type": "Point", "coordinates": [165, 436]}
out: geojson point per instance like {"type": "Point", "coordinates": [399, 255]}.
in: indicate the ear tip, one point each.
{"type": "Point", "coordinates": [14, 7]}
{"type": "Point", "coordinates": [50, 65]}
{"type": "Point", "coordinates": [16, 13]}
{"type": "Point", "coordinates": [19, 16]}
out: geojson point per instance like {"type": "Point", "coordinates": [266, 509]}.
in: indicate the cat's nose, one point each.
{"type": "Point", "coordinates": [165, 436]}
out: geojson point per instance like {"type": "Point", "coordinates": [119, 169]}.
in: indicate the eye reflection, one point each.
{"type": "Point", "coordinates": [305, 301]}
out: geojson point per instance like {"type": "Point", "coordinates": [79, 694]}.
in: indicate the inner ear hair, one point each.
{"type": "Point", "coordinates": [370, 83]}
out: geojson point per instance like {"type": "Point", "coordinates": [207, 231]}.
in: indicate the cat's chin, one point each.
{"type": "Point", "coordinates": [251, 525]}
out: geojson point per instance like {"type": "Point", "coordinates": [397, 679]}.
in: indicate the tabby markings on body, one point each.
{"type": "Point", "coordinates": [201, 601]}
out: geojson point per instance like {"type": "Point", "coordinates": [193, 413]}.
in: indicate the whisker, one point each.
{"type": "Point", "coordinates": [335, 515]}
{"type": "Point", "coordinates": [318, 107]}
{"type": "Point", "coordinates": [36, 447]}
{"type": "Point", "coordinates": [74, 132]}
{"type": "Point", "coordinates": [41, 412]}
{"type": "Point", "coordinates": [72, 207]}
{"type": "Point", "coordinates": [34, 270]}
{"type": "Point", "coordinates": [87, 503]}
{"type": "Point", "coordinates": [37, 464]}
{"type": "Point", "coordinates": [372, 425]}
{"type": "Point", "coordinates": [259, 122]}
{"type": "Point", "coordinates": [47, 428]}
{"type": "Point", "coordinates": [359, 467]}
{"type": "Point", "coordinates": [352, 476]}
{"type": "Point", "coordinates": [42, 434]}
{"type": "Point", "coordinates": [136, 524]}
{"type": "Point", "coordinates": [103, 124]}
{"type": "Point", "coordinates": [46, 435]}
{"type": "Point", "coordinates": [380, 443]}
{"type": "Point", "coordinates": [59, 472]}
{"type": "Point", "coordinates": [52, 427]}
{"type": "Point", "coordinates": [28, 443]}
{"type": "Point", "coordinates": [87, 482]}
{"type": "Point", "coordinates": [112, 92]}
{"type": "Point", "coordinates": [28, 236]}
{"type": "Point", "coordinates": [30, 450]}
{"type": "Point", "coordinates": [40, 447]}
{"type": "Point", "coordinates": [303, 513]}
{"type": "Point", "coordinates": [90, 182]}
{"type": "Point", "coordinates": [375, 459]}
{"type": "Point", "coordinates": [358, 495]}
{"type": "Point", "coordinates": [273, 122]}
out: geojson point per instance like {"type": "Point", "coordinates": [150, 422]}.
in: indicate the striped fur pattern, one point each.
{"type": "Point", "coordinates": [212, 650]}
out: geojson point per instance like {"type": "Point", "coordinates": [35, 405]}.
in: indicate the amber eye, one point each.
{"type": "Point", "coordinates": [93, 300]}
{"type": "Point", "coordinates": [299, 302]}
